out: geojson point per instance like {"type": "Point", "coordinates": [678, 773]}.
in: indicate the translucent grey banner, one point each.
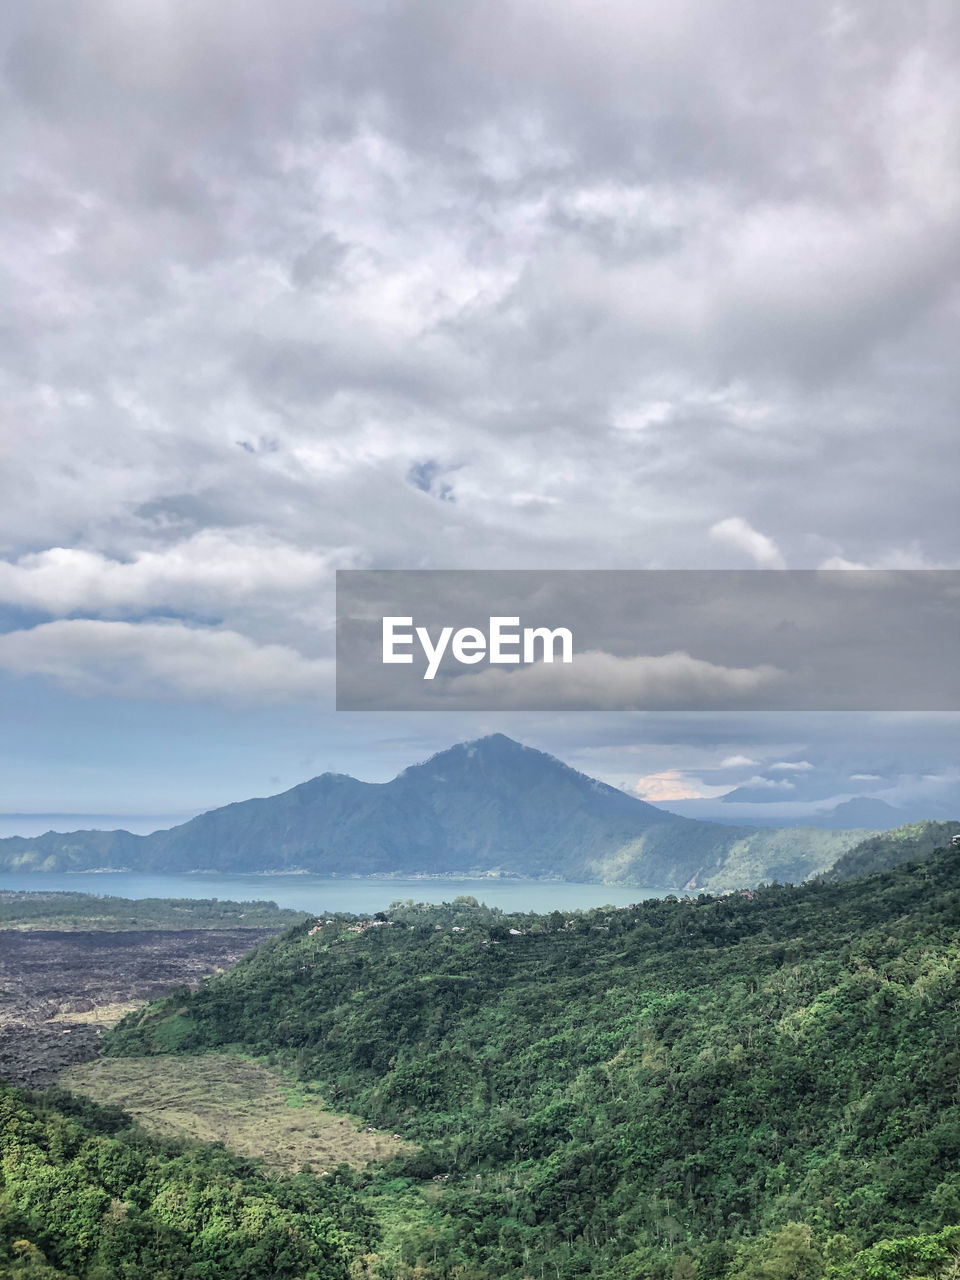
{"type": "Point", "coordinates": [658, 640]}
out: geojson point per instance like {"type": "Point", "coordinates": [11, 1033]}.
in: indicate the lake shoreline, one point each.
{"type": "Point", "coordinates": [353, 895]}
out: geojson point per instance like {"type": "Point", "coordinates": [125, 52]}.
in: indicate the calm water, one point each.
{"type": "Point", "coordinates": [319, 894]}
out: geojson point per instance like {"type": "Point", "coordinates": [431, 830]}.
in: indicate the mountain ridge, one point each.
{"type": "Point", "coordinates": [910, 842]}
{"type": "Point", "coordinates": [491, 806]}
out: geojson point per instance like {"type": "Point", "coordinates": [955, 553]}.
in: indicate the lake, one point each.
{"type": "Point", "coordinates": [321, 894]}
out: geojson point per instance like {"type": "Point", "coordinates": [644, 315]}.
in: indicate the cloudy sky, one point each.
{"type": "Point", "coordinates": [295, 286]}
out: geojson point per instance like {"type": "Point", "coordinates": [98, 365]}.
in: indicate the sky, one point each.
{"type": "Point", "coordinates": [294, 287]}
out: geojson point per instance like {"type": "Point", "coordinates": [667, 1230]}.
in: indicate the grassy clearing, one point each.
{"type": "Point", "coordinates": [104, 1015]}
{"type": "Point", "coordinates": [219, 1097]}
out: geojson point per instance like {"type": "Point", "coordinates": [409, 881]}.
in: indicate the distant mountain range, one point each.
{"type": "Point", "coordinates": [487, 808]}
{"type": "Point", "coordinates": [860, 811]}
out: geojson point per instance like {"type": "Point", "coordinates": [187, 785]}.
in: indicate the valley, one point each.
{"type": "Point", "coordinates": [753, 1085]}
{"type": "Point", "coordinates": [760, 1085]}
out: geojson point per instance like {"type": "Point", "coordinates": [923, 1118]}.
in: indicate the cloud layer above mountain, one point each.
{"type": "Point", "coordinates": [291, 287]}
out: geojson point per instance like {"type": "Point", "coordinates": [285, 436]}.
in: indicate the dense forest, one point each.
{"type": "Point", "coordinates": [888, 849]}
{"type": "Point", "coordinates": [85, 1193]}
{"type": "Point", "coordinates": [761, 1085]}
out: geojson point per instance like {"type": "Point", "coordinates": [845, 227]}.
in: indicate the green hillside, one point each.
{"type": "Point", "coordinates": [86, 1194]}
{"type": "Point", "coordinates": [757, 1086]}
{"type": "Point", "coordinates": [886, 849]}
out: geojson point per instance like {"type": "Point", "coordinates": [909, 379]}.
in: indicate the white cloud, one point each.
{"type": "Point", "coordinates": [839, 562]}
{"type": "Point", "coordinates": [894, 558]}
{"type": "Point", "coordinates": [790, 766]}
{"type": "Point", "coordinates": [204, 572]}
{"type": "Point", "coordinates": [674, 784]}
{"type": "Point", "coordinates": [934, 785]}
{"type": "Point", "coordinates": [163, 660]}
{"type": "Point", "coordinates": [738, 533]}
{"type": "Point", "coordinates": [602, 681]}
{"type": "Point", "coordinates": [737, 762]}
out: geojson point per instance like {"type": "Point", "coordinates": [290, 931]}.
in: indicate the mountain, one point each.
{"type": "Point", "coordinates": [889, 849]}
{"type": "Point", "coordinates": [489, 807]}
{"type": "Point", "coordinates": [861, 811]}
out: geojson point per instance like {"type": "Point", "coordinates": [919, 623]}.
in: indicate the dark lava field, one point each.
{"type": "Point", "coordinates": [58, 990]}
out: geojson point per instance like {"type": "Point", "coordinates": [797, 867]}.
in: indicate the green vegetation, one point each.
{"type": "Point", "coordinates": [86, 1195]}
{"type": "Point", "coordinates": [888, 849]}
{"type": "Point", "coordinates": [756, 1087]}
{"type": "Point", "coordinates": [710, 857]}
{"type": "Point", "coordinates": [83, 911]}
{"type": "Point", "coordinates": [253, 1110]}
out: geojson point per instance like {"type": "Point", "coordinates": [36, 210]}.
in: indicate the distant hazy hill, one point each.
{"type": "Point", "coordinates": [485, 807]}
{"type": "Point", "coordinates": [860, 811]}
{"type": "Point", "coordinates": [887, 849]}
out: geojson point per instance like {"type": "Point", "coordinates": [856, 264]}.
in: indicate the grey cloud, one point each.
{"type": "Point", "coordinates": [688, 640]}
{"type": "Point", "coordinates": [633, 272]}
{"type": "Point", "coordinates": [319, 263]}
{"type": "Point", "coordinates": [598, 681]}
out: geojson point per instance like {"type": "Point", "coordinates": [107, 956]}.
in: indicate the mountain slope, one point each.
{"type": "Point", "coordinates": [87, 1195]}
{"type": "Point", "coordinates": [487, 807]}
{"type": "Point", "coordinates": [888, 849]}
